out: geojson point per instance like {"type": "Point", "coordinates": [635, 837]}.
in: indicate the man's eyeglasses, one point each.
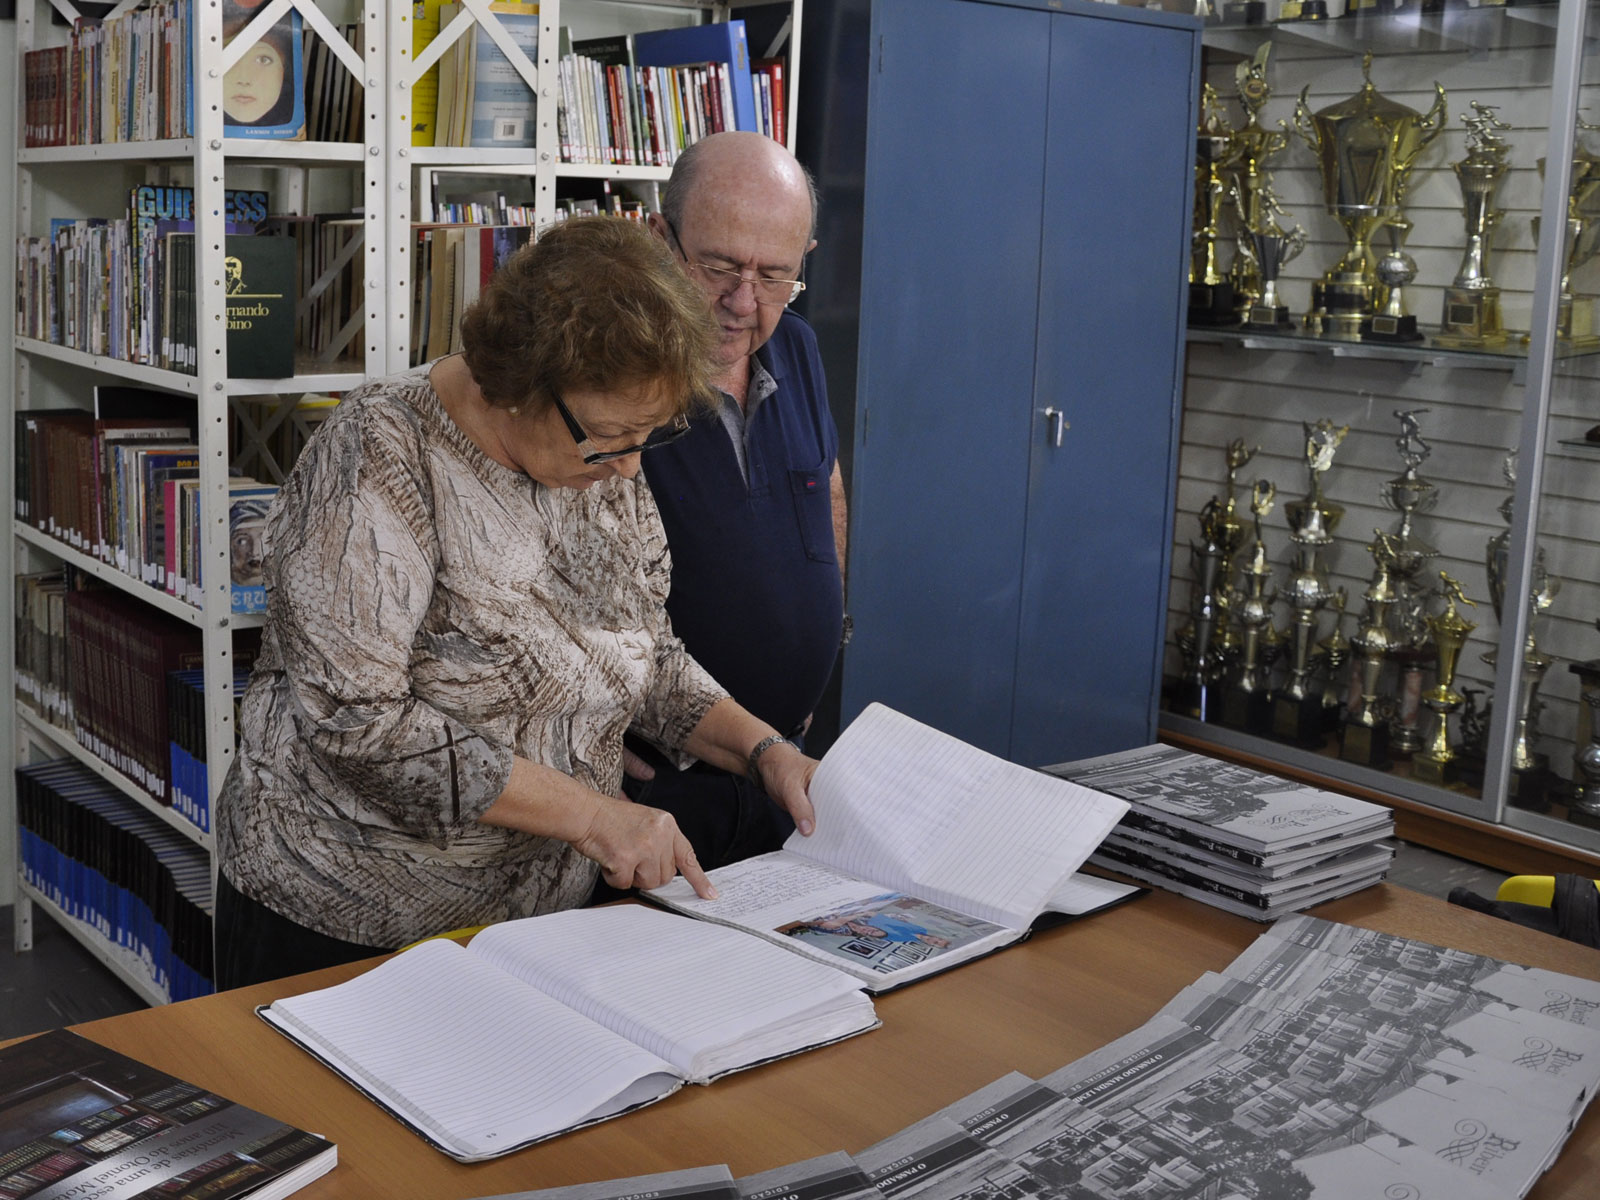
{"type": "Point", "coordinates": [658, 437]}
{"type": "Point", "coordinates": [721, 281]}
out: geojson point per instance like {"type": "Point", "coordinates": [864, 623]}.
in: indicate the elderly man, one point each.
{"type": "Point", "coordinates": [752, 499]}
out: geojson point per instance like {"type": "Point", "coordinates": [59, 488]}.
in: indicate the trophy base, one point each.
{"type": "Point", "coordinates": [1250, 12]}
{"type": "Point", "coordinates": [1304, 10]}
{"type": "Point", "coordinates": [1365, 745]}
{"type": "Point", "coordinates": [1575, 323]}
{"type": "Point", "coordinates": [1532, 789]}
{"type": "Point", "coordinates": [1438, 772]}
{"type": "Point", "coordinates": [1297, 721]}
{"type": "Point", "coordinates": [1471, 320]}
{"type": "Point", "coordinates": [1249, 711]}
{"type": "Point", "coordinates": [1390, 329]}
{"type": "Point", "coordinates": [1212, 304]}
{"type": "Point", "coordinates": [1266, 316]}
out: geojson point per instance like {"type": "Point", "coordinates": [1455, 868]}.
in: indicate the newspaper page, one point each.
{"type": "Point", "coordinates": [936, 1159]}
{"type": "Point", "coordinates": [1231, 805]}
{"type": "Point", "coordinates": [1565, 997]}
{"type": "Point", "coordinates": [1490, 1040]}
{"type": "Point", "coordinates": [696, 1183]}
{"type": "Point", "coordinates": [828, 1177]}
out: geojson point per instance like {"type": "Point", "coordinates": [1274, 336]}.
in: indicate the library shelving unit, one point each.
{"type": "Point", "coordinates": [415, 166]}
{"type": "Point", "coordinates": [78, 179]}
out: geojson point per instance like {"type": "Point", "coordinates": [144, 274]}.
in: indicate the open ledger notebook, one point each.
{"type": "Point", "coordinates": [551, 1023]}
{"type": "Point", "coordinates": [928, 852]}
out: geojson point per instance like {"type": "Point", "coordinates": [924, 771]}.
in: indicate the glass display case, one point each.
{"type": "Point", "coordinates": [1392, 408]}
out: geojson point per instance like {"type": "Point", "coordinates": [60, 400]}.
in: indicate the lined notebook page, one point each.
{"type": "Point", "coordinates": [675, 986]}
{"type": "Point", "coordinates": [477, 1060]}
{"type": "Point", "coordinates": [903, 804]}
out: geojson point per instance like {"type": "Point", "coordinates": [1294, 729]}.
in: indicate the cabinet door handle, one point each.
{"type": "Point", "coordinates": [1056, 425]}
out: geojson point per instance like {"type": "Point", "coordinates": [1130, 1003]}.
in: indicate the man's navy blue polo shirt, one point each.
{"type": "Point", "coordinates": [756, 595]}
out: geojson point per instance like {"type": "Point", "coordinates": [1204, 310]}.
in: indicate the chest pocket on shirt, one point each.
{"type": "Point", "coordinates": [814, 512]}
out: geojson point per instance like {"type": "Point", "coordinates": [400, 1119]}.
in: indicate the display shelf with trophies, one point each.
{"type": "Point", "coordinates": [1400, 333]}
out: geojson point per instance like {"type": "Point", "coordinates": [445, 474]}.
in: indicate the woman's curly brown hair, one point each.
{"type": "Point", "coordinates": [596, 304]}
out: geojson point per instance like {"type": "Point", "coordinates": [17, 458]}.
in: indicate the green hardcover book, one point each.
{"type": "Point", "coordinates": [258, 277]}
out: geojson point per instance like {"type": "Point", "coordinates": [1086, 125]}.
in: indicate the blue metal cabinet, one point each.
{"type": "Point", "coordinates": [1023, 203]}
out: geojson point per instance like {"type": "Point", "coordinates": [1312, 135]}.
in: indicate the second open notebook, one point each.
{"type": "Point", "coordinates": [554, 1022]}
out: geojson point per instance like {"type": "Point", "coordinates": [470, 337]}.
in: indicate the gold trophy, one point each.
{"type": "Point", "coordinates": [1530, 783]}
{"type": "Point", "coordinates": [1366, 146]}
{"type": "Point", "coordinates": [1296, 709]}
{"type": "Point", "coordinates": [1472, 302]}
{"type": "Point", "coordinates": [1211, 299]}
{"type": "Point", "coordinates": [1252, 145]}
{"type": "Point", "coordinates": [1449, 631]}
{"type": "Point", "coordinates": [1575, 323]}
{"type": "Point", "coordinates": [1247, 705]}
{"type": "Point", "coordinates": [1365, 737]}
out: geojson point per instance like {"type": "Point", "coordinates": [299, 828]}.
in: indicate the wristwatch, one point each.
{"type": "Point", "coordinates": [753, 767]}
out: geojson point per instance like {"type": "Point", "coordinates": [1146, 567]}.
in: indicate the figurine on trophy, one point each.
{"type": "Point", "coordinates": [1530, 783]}
{"type": "Point", "coordinates": [1365, 737]}
{"type": "Point", "coordinates": [1252, 145]}
{"type": "Point", "coordinates": [1296, 708]}
{"type": "Point", "coordinates": [1366, 146]}
{"type": "Point", "coordinates": [1585, 808]}
{"type": "Point", "coordinates": [1449, 630]}
{"type": "Point", "coordinates": [1409, 494]}
{"type": "Point", "coordinates": [1247, 705]}
{"type": "Point", "coordinates": [1211, 300]}
{"type": "Point", "coordinates": [1472, 301]}
{"type": "Point", "coordinates": [1575, 320]}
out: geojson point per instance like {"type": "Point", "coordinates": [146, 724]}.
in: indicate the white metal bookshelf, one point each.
{"type": "Point", "coordinates": [202, 162]}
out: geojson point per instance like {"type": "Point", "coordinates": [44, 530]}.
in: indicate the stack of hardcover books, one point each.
{"type": "Point", "coordinates": [1242, 840]}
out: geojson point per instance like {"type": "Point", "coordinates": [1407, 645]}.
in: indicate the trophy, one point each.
{"type": "Point", "coordinates": [1211, 299]}
{"type": "Point", "coordinates": [1334, 653]}
{"type": "Point", "coordinates": [1296, 711]}
{"type": "Point", "coordinates": [1529, 785]}
{"type": "Point", "coordinates": [1247, 705]}
{"type": "Point", "coordinates": [1393, 322]}
{"type": "Point", "coordinates": [1472, 302]}
{"type": "Point", "coordinates": [1221, 521]}
{"type": "Point", "coordinates": [1365, 737]}
{"type": "Point", "coordinates": [1575, 323]}
{"type": "Point", "coordinates": [1409, 494]}
{"type": "Point", "coordinates": [1253, 144]}
{"type": "Point", "coordinates": [1202, 658]}
{"type": "Point", "coordinates": [1585, 809]}
{"type": "Point", "coordinates": [1449, 630]}
{"type": "Point", "coordinates": [1366, 146]}
{"type": "Point", "coordinates": [1271, 248]}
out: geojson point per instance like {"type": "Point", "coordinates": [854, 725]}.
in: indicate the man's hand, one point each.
{"type": "Point", "coordinates": [786, 776]}
{"type": "Point", "coordinates": [640, 847]}
{"type": "Point", "coordinates": [635, 767]}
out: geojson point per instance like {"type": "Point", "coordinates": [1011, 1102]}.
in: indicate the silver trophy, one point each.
{"type": "Point", "coordinates": [1297, 711]}
{"type": "Point", "coordinates": [1246, 704]}
{"type": "Point", "coordinates": [1272, 248]}
{"type": "Point", "coordinates": [1409, 494]}
{"type": "Point", "coordinates": [1366, 734]}
{"type": "Point", "coordinates": [1530, 774]}
{"type": "Point", "coordinates": [1472, 301]}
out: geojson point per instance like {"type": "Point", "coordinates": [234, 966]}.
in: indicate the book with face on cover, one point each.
{"type": "Point", "coordinates": [927, 853]}
{"type": "Point", "coordinates": [559, 1021]}
{"type": "Point", "coordinates": [77, 1119]}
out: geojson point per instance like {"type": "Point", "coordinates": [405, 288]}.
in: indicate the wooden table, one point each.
{"type": "Point", "coordinates": [1031, 1008]}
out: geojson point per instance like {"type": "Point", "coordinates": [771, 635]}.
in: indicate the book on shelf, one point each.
{"type": "Point", "coordinates": [248, 502]}
{"type": "Point", "coordinates": [500, 109]}
{"type": "Point", "coordinates": [118, 870]}
{"type": "Point", "coordinates": [554, 1035]}
{"type": "Point", "coordinates": [264, 91]}
{"type": "Point", "coordinates": [425, 92]}
{"type": "Point", "coordinates": [927, 853]}
{"type": "Point", "coordinates": [81, 1120]}
{"type": "Point", "coordinates": [191, 775]}
{"type": "Point", "coordinates": [770, 72]}
{"type": "Point", "coordinates": [723, 43]}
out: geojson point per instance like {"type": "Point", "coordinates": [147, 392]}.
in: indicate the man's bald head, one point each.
{"type": "Point", "coordinates": [741, 160]}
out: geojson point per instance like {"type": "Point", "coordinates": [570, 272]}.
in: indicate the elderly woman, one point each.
{"type": "Point", "coordinates": [465, 583]}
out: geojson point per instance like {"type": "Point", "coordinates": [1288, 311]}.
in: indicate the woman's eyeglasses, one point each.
{"type": "Point", "coordinates": [724, 281]}
{"type": "Point", "coordinates": [658, 437]}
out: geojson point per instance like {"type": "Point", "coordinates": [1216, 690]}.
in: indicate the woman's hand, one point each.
{"type": "Point", "coordinates": [640, 847]}
{"type": "Point", "coordinates": [786, 776]}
